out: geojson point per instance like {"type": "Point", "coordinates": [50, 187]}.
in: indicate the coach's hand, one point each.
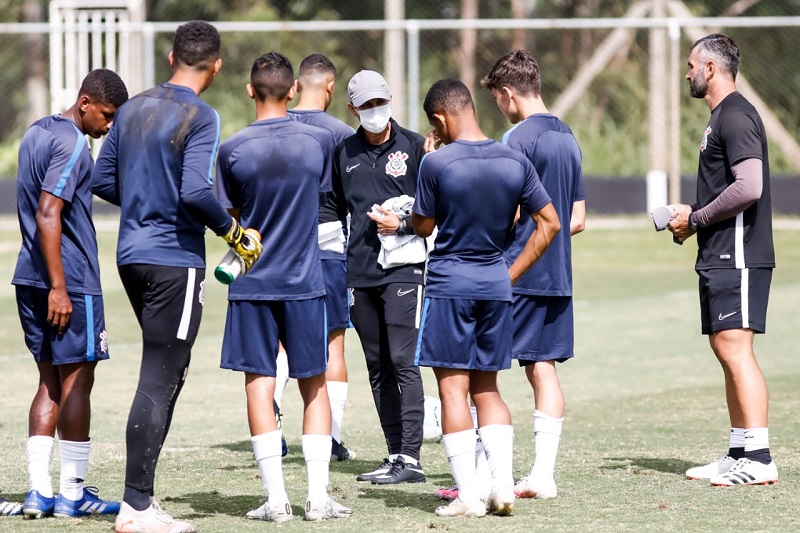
{"type": "Point", "coordinates": [59, 309]}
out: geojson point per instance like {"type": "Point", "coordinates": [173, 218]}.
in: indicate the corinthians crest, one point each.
{"type": "Point", "coordinates": [396, 166]}
{"type": "Point", "coordinates": [704, 142]}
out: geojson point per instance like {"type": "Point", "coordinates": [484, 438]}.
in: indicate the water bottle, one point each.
{"type": "Point", "coordinates": [232, 265]}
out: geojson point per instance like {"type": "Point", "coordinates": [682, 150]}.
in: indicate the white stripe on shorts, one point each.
{"type": "Point", "coordinates": [738, 241]}
{"type": "Point", "coordinates": [745, 290]}
{"type": "Point", "coordinates": [186, 316]}
{"type": "Point", "coordinates": [419, 306]}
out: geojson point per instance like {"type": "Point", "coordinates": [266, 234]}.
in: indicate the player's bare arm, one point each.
{"type": "Point", "coordinates": [547, 225]}
{"type": "Point", "coordinates": [423, 226]}
{"type": "Point", "coordinates": [577, 222]}
{"type": "Point", "coordinates": [48, 224]}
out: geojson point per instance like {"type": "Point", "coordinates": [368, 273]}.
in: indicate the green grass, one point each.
{"type": "Point", "coordinates": [644, 402]}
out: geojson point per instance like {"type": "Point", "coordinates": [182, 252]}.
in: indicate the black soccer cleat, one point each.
{"type": "Point", "coordinates": [401, 472]}
{"type": "Point", "coordinates": [339, 452]}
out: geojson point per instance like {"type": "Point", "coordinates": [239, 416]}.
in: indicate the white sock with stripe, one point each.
{"type": "Point", "coordinates": [498, 442]}
{"type": "Point", "coordinates": [74, 465]}
{"type": "Point", "coordinates": [481, 463]}
{"type": "Point", "coordinates": [267, 449]}
{"type": "Point", "coordinates": [39, 452]}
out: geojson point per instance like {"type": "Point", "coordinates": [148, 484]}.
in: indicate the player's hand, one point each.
{"type": "Point", "coordinates": [679, 225]}
{"type": "Point", "coordinates": [432, 142]}
{"type": "Point", "coordinates": [59, 309]}
{"type": "Point", "coordinates": [387, 222]}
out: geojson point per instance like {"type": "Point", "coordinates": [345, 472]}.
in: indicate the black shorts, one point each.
{"type": "Point", "coordinates": [734, 298]}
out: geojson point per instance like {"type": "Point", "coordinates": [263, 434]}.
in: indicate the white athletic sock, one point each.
{"type": "Point", "coordinates": [481, 463]}
{"type": "Point", "coordinates": [74, 465]}
{"type": "Point", "coordinates": [547, 434]}
{"type": "Point", "coordinates": [281, 376]}
{"type": "Point", "coordinates": [409, 460]}
{"type": "Point", "coordinates": [756, 439]}
{"type": "Point", "coordinates": [317, 453]}
{"type": "Point", "coordinates": [460, 450]}
{"type": "Point", "coordinates": [39, 451]}
{"type": "Point", "coordinates": [736, 439]}
{"type": "Point", "coordinates": [267, 449]}
{"type": "Point", "coordinates": [337, 393]}
{"type": "Point", "coordinates": [498, 443]}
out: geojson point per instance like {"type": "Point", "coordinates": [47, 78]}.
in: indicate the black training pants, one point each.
{"type": "Point", "coordinates": [168, 303]}
{"type": "Point", "coordinates": [386, 319]}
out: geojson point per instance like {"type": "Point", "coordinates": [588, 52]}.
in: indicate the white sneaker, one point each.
{"type": "Point", "coordinates": [718, 466]}
{"type": "Point", "coordinates": [501, 501]}
{"type": "Point", "coordinates": [459, 507]}
{"type": "Point", "coordinates": [540, 489]}
{"type": "Point", "coordinates": [151, 520]}
{"type": "Point", "coordinates": [328, 509]}
{"type": "Point", "coordinates": [747, 472]}
{"type": "Point", "coordinates": [279, 513]}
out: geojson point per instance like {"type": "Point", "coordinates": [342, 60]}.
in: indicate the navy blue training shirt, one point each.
{"type": "Point", "coordinates": [340, 131]}
{"type": "Point", "coordinates": [473, 189]}
{"type": "Point", "coordinates": [54, 157]}
{"type": "Point", "coordinates": [156, 164]}
{"type": "Point", "coordinates": [550, 145]}
{"type": "Point", "coordinates": [273, 171]}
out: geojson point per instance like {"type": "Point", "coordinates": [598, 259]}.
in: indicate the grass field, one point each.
{"type": "Point", "coordinates": [644, 402]}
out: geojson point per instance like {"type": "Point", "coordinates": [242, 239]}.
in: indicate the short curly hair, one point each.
{"type": "Point", "coordinates": [196, 45]}
{"type": "Point", "coordinates": [103, 85]}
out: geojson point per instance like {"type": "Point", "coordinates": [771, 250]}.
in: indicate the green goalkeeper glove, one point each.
{"type": "Point", "coordinates": [246, 243]}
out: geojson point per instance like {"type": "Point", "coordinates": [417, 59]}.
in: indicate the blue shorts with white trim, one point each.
{"type": "Point", "coordinates": [83, 341]}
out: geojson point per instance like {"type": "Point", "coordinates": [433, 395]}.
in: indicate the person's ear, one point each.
{"type": "Point", "coordinates": [251, 92]}
{"type": "Point", "coordinates": [292, 92]}
{"type": "Point", "coordinates": [171, 59]}
{"type": "Point", "coordinates": [352, 109]}
{"type": "Point", "coordinates": [83, 103]}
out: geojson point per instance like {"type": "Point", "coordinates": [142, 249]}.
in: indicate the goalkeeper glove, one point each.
{"type": "Point", "coordinates": [246, 244]}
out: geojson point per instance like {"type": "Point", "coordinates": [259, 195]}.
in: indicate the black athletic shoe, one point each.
{"type": "Point", "coordinates": [384, 468]}
{"type": "Point", "coordinates": [401, 472]}
{"type": "Point", "coordinates": [339, 452]}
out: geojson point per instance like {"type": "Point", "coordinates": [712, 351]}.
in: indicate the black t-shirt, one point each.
{"type": "Point", "coordinates": [734, 133]}
{"type": "Point", "coordinates": [365, 174]}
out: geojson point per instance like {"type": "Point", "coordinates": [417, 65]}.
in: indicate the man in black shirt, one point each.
{"type": "Point", "coordinates": [380, 161]}
{"type": "Point", "coordinates": [733, 222]}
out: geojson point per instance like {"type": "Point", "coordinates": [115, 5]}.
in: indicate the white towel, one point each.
{"type": "Point", "coordinates": [400, 250]}
{"type": "Point", "coordinates": [330, 237]}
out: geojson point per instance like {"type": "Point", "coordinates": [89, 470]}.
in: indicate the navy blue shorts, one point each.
{"type": "Point", "coordinates": [466, 334]}
{"type": "Point", "coordinates": [543, 328]}
{"type": "Point", "coordinates": [337, 295]}
{"type": "Point", "coordinates": [732, 298]}
{"type": "Point", "coordinates": [253, 329]}
{"type": "Point", "coordinates": [85, 338]}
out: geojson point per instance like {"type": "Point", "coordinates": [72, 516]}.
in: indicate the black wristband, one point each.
{"type": "Point", "coordinates": [402, 227]}
{"type": "Point", "coordinates": [692, 223]}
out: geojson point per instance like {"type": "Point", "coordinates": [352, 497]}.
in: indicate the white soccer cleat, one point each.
{"type": "Point", "coordinates": [718, 466]}
{"type": "Point", "coordinates": [539, 489]}
{"type": "Point", "coordinates": [459, 507]}
{"type": "Point", "coordinates": [747, 472]}
{"type": "Point", "coordinates": [151, 520]}
{"type": "Point", "coordinates": [279, 513]}
{"type": "Point", "coordinates": [501, 501]}
{"type": "Point", "coordinates": [328, 509]}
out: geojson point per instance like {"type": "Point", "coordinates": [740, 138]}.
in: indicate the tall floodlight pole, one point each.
{"type": "Point", "coordinates": [394, 58]}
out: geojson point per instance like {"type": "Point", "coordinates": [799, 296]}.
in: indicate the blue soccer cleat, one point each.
{"type": "Point", "coordinates": [37, 506]}
{"type": "Point", "coordinates": [89, 505]}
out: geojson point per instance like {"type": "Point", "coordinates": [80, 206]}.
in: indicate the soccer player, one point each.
{"type": "Point", "coordinates": [543, 317]}
{"type": "Point", "coordinates": [733, 222]}
{"type": "Point", "coordinates": [315, 83]}
{"type": "Point", "coordinates": [470, 190]}
{"type": "Point", "coordinates": [271, 176]}
{"type": "Point", "coordinates": [156, 165]}
{"type": "Point", "coordinates": [59, 298]}
{"type": "Point", "coordinates": [380, 162]}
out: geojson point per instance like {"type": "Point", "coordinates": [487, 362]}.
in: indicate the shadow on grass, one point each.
{"type": "Point", "coordinates": [396, 497]}
{"type": "Point", "coordinates": [637, 464]}
{"type": "Point", "coordinates": [205, 504]}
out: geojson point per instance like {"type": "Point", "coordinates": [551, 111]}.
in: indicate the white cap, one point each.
{"type": "Point", "coordinates": [367, 85]}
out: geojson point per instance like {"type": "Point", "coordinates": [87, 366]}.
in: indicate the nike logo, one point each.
{"type": "Point", "coordinates": [723, 317]}
{"type": "Point", "coordinates": [349, 168]}
{"type": "Point", "coordinates": [401, 292]}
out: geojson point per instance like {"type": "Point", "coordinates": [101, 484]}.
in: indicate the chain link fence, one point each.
{"type": "Point", "coordinates": [610, 113]}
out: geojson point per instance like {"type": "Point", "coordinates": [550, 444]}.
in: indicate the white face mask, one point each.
{"type": "Point", "coordinates": [374, 120]}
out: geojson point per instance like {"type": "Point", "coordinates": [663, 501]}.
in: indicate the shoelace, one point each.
{"type": "Point", "coordinates": [94, 491]}
{"type": "Point", "coordinates": [740, 465]}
